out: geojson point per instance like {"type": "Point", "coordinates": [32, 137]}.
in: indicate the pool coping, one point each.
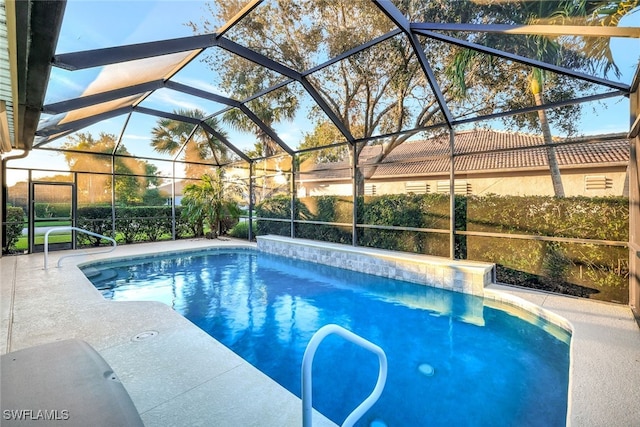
{"type": "Point", "coordinates": [42, 306]}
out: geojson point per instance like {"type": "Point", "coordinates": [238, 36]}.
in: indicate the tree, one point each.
{"type": "Point", "coordinates": [323, 135]}
{"type": "Point", "coordinates": [381, 90]}
{"type": "Point", "coordinates": [272, 109]}
{"type": "Point", "coordinates": [589, 55]}
{"type": "Point", "coordinates": [14, 225]}
{"type": "Point", "coordinates": [152, 197]}
{"type": "Point", "coordinates": [208, 202]}
{"type": "Point", "coordinates": [172, 137]}
{"type": "Point", "coordinates": [243, 79]}
{"type": "Point", "coordinates": [377, 91]}
{"type": "Point", "coordinates": [132, 176]}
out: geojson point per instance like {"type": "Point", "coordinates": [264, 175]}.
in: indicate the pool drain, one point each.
{"type": "Point", "coordinates": [144, 335]}
{"type": "Point", "coordinates": [378, 423]}
{"type": "Point", "coordinates": [426, 370]}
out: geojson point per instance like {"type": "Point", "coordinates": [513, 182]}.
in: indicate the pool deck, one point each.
{"type": "Point", "coordinates": [181, 376]}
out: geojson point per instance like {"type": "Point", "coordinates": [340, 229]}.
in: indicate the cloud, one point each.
{"type": "Point", "coordinates": [202, 85]}
{"type": "Point", "coordinates": [65, 84]}
{"type": "Point", "coordinates": [291, 133]}
{"type": "Point", "coordinates": [176, 99]}
{"type": "Point", "coordinates": [135, 137]}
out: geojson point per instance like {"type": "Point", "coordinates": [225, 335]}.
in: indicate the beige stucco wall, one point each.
{"type": "Point", "coordinates": [525, 183]}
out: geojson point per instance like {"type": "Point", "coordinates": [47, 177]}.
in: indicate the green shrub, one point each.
{"type": "Point", "coordinates": [227, 224]}
{"type": "Point", "coordinates": [241, 230]}
{"type": "Point", "coordinates": [325, 233]}
{"type": "Point", "coordinates": [143, 223]}
{"type": "Point", "coordinates": [52, 210]}
{"type": "Point", "coordinates": [588, 270]}
{"type": "Point", "coordinates": [604, 218]}
{"type": "Point", "coordinates": [154, 221]}
{"type": "Point", "coordinates": [279, 207]}
{"type": "Point", "coordinates": [185, 227]}
{"type": "Point", "coordinates": [555, 265]}
{"type": "Point", "coordinates": [96, 219]}
{"type": "Point", "coordinates": [337, 209]}
{"type": "Point", "coordinates": [14, 226]}
{"type": "Point", "coordinates": [133, 224]}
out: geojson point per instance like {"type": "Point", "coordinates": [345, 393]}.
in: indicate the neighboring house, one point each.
{"type": "Point", "coordinates": [165, 191]}
{"type": "Point", "coordinates": [589, 166]}
{"type": "Point", "coordinates": [274, 183]}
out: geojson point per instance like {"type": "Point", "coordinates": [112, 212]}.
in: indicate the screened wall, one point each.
{"type": "Point", "coordinates": [489, 131]}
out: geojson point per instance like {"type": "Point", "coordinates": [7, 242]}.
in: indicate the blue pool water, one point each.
{"type": "Point", "coordinates": [453, 359]}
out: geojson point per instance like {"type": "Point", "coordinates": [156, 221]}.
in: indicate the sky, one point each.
{"type": "Point", "coordinates": [90, 24]}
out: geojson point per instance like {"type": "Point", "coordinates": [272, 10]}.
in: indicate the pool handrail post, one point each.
{"type": "Point", "coordinates": [307, 363]}
{"type": "Point", "coordinates": [82, 230]}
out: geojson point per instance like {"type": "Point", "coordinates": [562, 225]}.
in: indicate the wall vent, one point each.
{"type": "Point", "coordinates": [416, 187]}
{"type": "Point", "coordinates": [597, 182]}
{"type": "Point", "coordinates": [460, 187]}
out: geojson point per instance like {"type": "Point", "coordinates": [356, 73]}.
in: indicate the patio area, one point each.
{"type": "Point", "coordinates": [181, 376]}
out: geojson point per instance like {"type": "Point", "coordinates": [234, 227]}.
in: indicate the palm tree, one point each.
{"type": "Point", "coordinates": [209, 202]}
{"type": "Point", "coordinates": [172, 137]}
{"type": "Point", "coordinates": [595, 52]}
{"type": "Point", "coordinates": [282, 108]}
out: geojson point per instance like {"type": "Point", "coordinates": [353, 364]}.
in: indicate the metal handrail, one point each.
{"type": "Point", "coordinates": [82, 230]}
{"type": "Point", "coordinates": [307, 362]}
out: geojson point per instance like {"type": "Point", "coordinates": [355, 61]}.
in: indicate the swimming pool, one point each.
{"type": "Point", "coordinates": [452, 359]}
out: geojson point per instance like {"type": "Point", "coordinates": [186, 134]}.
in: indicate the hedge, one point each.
{"type": "Point", "coordinates": [587, 270]}
{"type": "Point", "coordinates": [133, 224]}
{"type": "Point", "coordinates": [604, 218]}
{"type": "Point", "coordinates": [52, 210]}
{"type": "Point", "coordinates": [241, 230]}
{"type": "Point", "coordinates": [96, 219]}
{"type": "Point", "coordinates": [14, 226]}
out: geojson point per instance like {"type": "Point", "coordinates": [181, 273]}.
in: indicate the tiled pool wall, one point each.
{"type": "Point", "coordinates": [454, 275]}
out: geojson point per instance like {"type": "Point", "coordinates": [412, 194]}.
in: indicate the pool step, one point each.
{"type": "Point", "coordinates": [91, 272]}
{"type": "Point", "coordinates": [99, 276]}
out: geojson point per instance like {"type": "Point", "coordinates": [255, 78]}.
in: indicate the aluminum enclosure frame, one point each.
{"type": "Point", "coordinates": [39, 23]}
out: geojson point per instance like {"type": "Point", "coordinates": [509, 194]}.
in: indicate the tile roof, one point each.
{"type": "Point", "coordinates": [432, 156]}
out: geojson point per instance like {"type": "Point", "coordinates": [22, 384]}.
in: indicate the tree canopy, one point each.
{"type": "Point", "coordinates": [133, 177]}
{"type": "Point", "coordinates": [382, 90]}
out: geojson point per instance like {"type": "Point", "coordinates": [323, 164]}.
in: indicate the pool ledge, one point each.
{"type": "Point", "coordinates": [454, 275]}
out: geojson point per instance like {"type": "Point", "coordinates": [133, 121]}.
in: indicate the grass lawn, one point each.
{"type": "Point", "coordinates": [52, 223]}
{"type": "Point", "coordinates": [22, 243]}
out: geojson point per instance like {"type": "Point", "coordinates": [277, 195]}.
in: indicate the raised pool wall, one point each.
{"type": "Point", "coordinates": [454, 275]}
{"type": "Point", "coordinates": [469, 277]}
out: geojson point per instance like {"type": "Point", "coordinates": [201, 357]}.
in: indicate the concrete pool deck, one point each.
{"type": "Point", "coordinates": [181, 376]}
